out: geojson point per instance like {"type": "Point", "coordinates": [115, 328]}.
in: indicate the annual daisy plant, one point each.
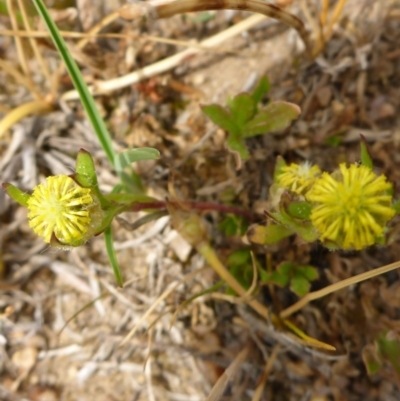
{"type": "Point", "coordinates": [349, 208]}
{"type": "Point", "coordinates": [66, 211]}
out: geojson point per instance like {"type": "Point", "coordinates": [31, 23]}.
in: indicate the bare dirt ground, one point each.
{"type": "Point", "coordinates": [63, 318]}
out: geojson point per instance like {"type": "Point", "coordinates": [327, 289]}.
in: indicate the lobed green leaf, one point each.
{"type": "Point", "coordinates": [274, 117]}
{"type": "Point", "coordinates": [242, 108]}
{"type": "Point", "coordinates": [221, 117]}
{"type": "Point", "coordinates": [261, 89]}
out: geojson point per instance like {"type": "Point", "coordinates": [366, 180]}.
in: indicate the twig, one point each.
{"type": "Point", "coordinates": [164, 10]}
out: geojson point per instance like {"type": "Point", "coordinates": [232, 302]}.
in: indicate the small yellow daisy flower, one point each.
{"type": "Point", "coordinates": [298, 178]}
{"type": "Point", "coordinates": [351, 206]}
{"type": "Point", "coordinates": [60, 206]}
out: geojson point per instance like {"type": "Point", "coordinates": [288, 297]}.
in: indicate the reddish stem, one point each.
{"type": "Point", "coordinates": [195, 205]}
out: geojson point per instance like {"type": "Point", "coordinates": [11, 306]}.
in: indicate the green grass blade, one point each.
{"type": "Point", "coordinates": [112, 257]}
{"type": "Point", "coordinates": [80, 85]}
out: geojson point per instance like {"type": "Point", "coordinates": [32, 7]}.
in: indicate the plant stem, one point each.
{"type": "Point", "coordinates": [194, 205]}
{"type": "Point", "coordinates": [211, 257]}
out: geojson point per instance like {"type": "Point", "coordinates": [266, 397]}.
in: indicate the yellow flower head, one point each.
{"type": "Point", "coordinates": [298, 178]}
{"type": "Point", "coordinates": [62, 207]}
{"type": "Point", "coordinates": [351, 206]}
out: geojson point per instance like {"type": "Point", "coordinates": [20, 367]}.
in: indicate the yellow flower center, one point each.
{"type": "Point", "coordinates": [298, 178]}
{"type": "Point", "coordinates": [351, 207]}
{"type": "Point", "coordinates": [60, 206]}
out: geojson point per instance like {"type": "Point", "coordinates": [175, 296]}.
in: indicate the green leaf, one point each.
{"type": "Point", "coordinates": [371, 359]}
{"type": "Point", "coordinates": [239, 146]}
{"type": "Point", "coordinates": [112, 257]}
{"type": "Point", "coordinates": [299, 284]}
{"type": "Point", "coordinates": [298, 276]}
{"type": "Point", "coordinates": [286, 268]}
{"type": "Point", "coordinates": [390, 350]}
{"type": "Point", "coordinates": [232, 225]}
{"type": "Point", "coordinates": [302, 276]}
{"type": "Point", "coordinates": [334, 141]}
{"type": "Point", "coordinates": [79, 83]}
{"type": "Point", "coordinates": [303, 228]}
{"type": "Point", "coordinates": [267, 235]}
{"type": "Point", "coordinates": [309, 272]}
{"type": "Point", "coordinates": [260, 90]}
{"type": "Point", "coordinates": [281, 276]}
{"type": "Point", "coordinates": [221, 117]}
{"type": "Point", "coordinates": [299, 210]}
{"type": "Point", "coordinates": [131, 183]}
{"type": "Point", "coordinates": [130, 156]}
{"type": "Point", "coordinates": [240, 266]}
{"type": "Point", "coordinates": [86, 176]}
{"type": "Point", "coordinates": [243, 108]}
{"type": "Point", "coordinates": [264, 275]}
{"type": "Point", "coordinates": [366, 159]}
{"type": "Point", "coordinates": [243, 274]}
{"type": "Point", "coordinates": [239, 258]}
{"type": "Point", "coordinates": [85, 169]}
{"type": "Point", "coordinates": [274, 117]}
{"type": "Point", "coordinates": [15, 193]}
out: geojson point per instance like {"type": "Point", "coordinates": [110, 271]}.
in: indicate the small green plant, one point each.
{"type": "Point", "coordinates": [297, 277]}
{"type": "Point", "coordinates": [349, 208]}
{"type": "Point", "coordinates": [243, 119]}
{"type": "Point", "coordinates": [233, 225]}
{"type": "Point", "coordinates": [240, 266]}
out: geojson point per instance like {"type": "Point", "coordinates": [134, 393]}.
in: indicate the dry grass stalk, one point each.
{"type": "Point", "coordinates": [103, 87]}
{"type": "Point", "coordinates": [165, 294]}
{"type": "Point", "coordinates": [267, 370]}
{"type": "Point", "coordinates": [165, 10]}
{"type": "Point", "coordinates": [228, 375]}
{"type": "Point", "coordinates": [35, 48]}
{"type": "Point", "coordinates": [312, 296]}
